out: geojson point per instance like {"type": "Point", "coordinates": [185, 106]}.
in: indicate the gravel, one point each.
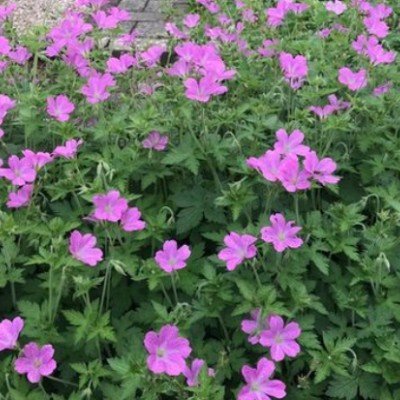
{"type": "Point", "coordinates": [31, 13]}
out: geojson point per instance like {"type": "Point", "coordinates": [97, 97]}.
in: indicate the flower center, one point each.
{"type": "Point", "coordinates": [160, 352]}
{"type": "Point", "coordinates": [281, 236]}
{"type": "Point", "coordinates": [255, 387]}
{"type": "Point", "coordinates": [37, 363]}
{"type": "Point", "coordinates": [278, 339]}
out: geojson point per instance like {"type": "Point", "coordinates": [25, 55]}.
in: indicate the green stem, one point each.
{"type": "Point", "coordinates": [221, 321]}
{"type": "Point", "coordinates": [50, 293]}
{"type": "Point", "coordinates": [62, 381]}
{"type": "Point", "coordinates": [13, 295]}
{"type": "Point", "coordinates": [105, 285]}
{"type": "Point", "coordinates": [296, 207]}
{"type": "Point", "coordinates": [165, 293]}
{"type": "Point", "coordinates": [46, 396]}
{"type": "Point", "coordinates": [174, 287]}
{"type": "Point", "coordinates": [253, 267]}
{"type": "Point", "coordinates": [59, 294]}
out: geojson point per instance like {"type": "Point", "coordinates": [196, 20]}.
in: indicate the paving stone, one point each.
{"type": "Point", "coordinates": [147, 17]}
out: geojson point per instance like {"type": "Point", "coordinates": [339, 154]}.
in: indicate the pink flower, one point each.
{"type": "Point", "coordinates": [120, 65]}
{"type": "Point", "coordinates": [353, 80]}
{"type": "Point", "coordinates": [20, 55]}
{"type": "Point", "coordinates": [60, 107]}
{"type": "Point", "coordinates": [126, 39]}
{"type": "Point", "coordinates": [172, 258]}
{"type": "Point", "coordinates": [259, 386]}
{"type": "Point", "coordinates": [281, 234]}
{"type": "Point", "coordinates": [37, 160]}
{"type": "Point", "coordinates": [111, 18]}
{"type": "Point", "coordinates": [191, 20]}
{"type": "Point", "coordinates": [21, 197]}
{"type": "Point", "coordinates": [167, 351]}
{"type": "Point", "coordinates": [295, 69]}
{"type": "Point", "coordinates": [292, 176]}
{"type": "Point", "coordinates": [334, 105]}
{"type": "Point", "coordinates": [336, 6]}
{"type": "Point", "coordinates": [36, 362]}
{"type": "Point", "coordinates": [322, 112]}
{"type": "Point", "coordinates": [175, 32]}
{"type": "Point", "coordinates": [268, 48]}
{"type": "Point", "coordinates": [254, 326]}
{"type": "Point", "coordinates": [375, 26]}
{"type": "Point", "coordinates": [380, 90]}
{"type": "Point", "coordinates": [268, 165]}
{"type": "Point", "coordinates": [19, 171]}
{"type": "Point", "coordinates": [238, 248]}
{"type": "Point", "coordinates": [69, 150]}
{"type": "Point", "coordinates": [131, 221]}
{"type": "Point", "coordinates": [280, 338]}
{"type": "Point", "coordinates": [192, 373]}
{"type": "Point", "coordinates": [110, 206]}
{"type": "Point", "coordinates": [82, 248]}
{"type": "Point", "coordinates": [290, 144]}
{"type": "Point", "coordinates": [6, 104]}
{"type": "Point", "coordinates": [204, 89]}
{"type": "Point", "coordinates": [96, 87]}
{"type": "Point", "coordinates": [155, 141]}
{"type": "Point", "coordinates": [5, 47]}
{"type": "Point", "coordinates": [152, 55]}
{"type": "Point", "coordinates": [9, 333]}
{"type": "Point", "coordinates": [321, 170]}
{"type": "Point", "coordinates": [337, 103]}
{"type": "Point", "coordinates": [6, 11]}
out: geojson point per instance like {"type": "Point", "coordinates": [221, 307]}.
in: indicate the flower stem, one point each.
{"type": "Point", "coordinates": [165, 293]}
{"type": "Point", "coordinates": [62, 381]}
{"type": "Point", "coordinates": [174, 287]}
{"type": "Point", "coordinates": [253, 267]}
{"type": "Point", "coordinates": [296, 207]}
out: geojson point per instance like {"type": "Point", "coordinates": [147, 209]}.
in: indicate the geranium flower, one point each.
{"type": "Point", "coordinates": [60, 107]}
{"type": "Point", "coordinates": [295, 69]}
{"type": "Point", "coordinates": [292, 176]}
{"type": "Point", "coordinates": [6, 104]}
{"type": "Point", "coordinates": [238, 248]}
{"type": "Point", "coordinates": [21, 197]}
{"type": "Point", "coordinates": [155, 141]}
{"type": "Point", "coordinates": [290, 144]}
{"type": "Point", "coordinates": [259, 385]}
{"type": "Point", "coordinates": [130, 220]}
{"type": "Point", "coordinates": [191, 20]}
{"type": "Point", "coordinates": [281, 234]}
{"type": "Point", "coordinates": [353, 80]}
{"type": "Point", "coordinates": [36, 362]}
{"type": "Point", "coordinates": [19, 171]}
{"type": "Point", "coordinates": [336, 6]}
{"type": "Point", "coordinates": [192, 372]}
{"type": "Point", "coordinates": [69, 149]}
{"type": "Point", "coordinates": [96, 87]}
{"type": "Point", "coordinates": [9, 333]}
{"type": "Point", "coordinates": [254, 326]}
{"type": "Point", "coordinates": [110, 206]}
{"type": "Point", "coordinates": [37, 160]}
{"type": "Point", "coordinates": [321, 170]}
{"type": "Point", "coordinates": [280, 338]}
{"type": "Point", "coordinates": [172, 258]}
{"type": "Point", "coordinates": [268, 165]}
{"type": "Point", "coordinates": [167, 351]}
{"type": "Point", "coordinates": [204, 89]}
{"type": "Point", "coordinates": [82, 248]}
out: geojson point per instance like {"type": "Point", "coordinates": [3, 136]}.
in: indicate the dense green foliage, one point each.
{"type": "Point", "coordinates": [342, 286]}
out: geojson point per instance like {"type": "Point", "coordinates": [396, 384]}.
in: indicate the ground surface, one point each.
{"type": "Point", "coordinates": [148, 15]}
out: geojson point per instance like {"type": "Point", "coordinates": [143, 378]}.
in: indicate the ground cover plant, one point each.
{"type": "Point", "coordinates": [215, 217]}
